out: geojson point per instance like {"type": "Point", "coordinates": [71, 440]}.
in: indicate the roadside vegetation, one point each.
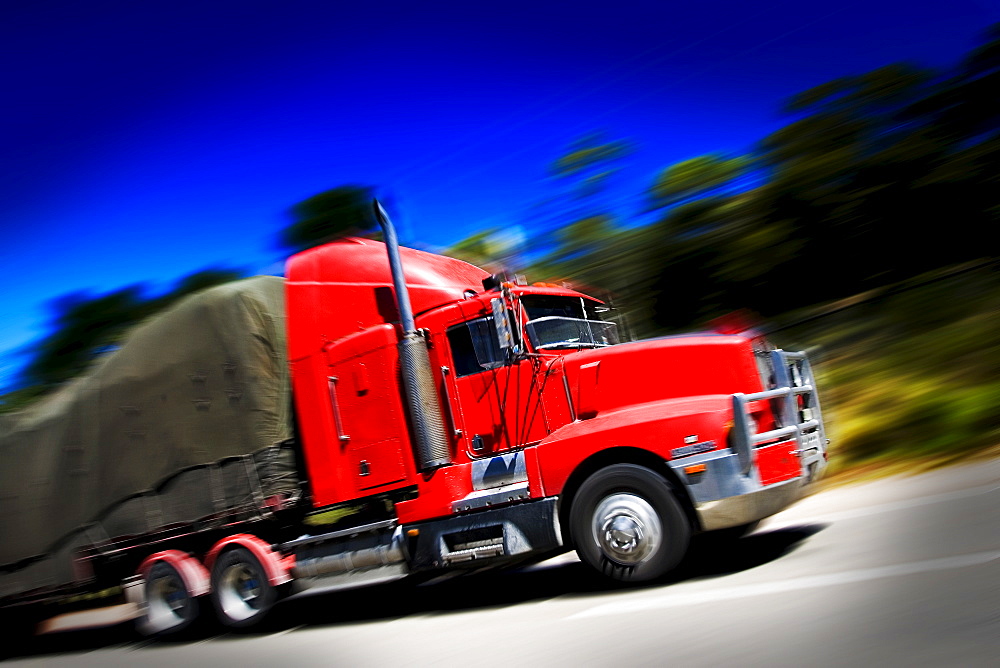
{"type": "Point", "coordinates": [910, 376]}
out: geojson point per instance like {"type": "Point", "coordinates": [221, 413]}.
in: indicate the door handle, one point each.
{"type": "Point", "coordinates": [337, 423]}
{"type": "Point", "coordinates": [445, 372]}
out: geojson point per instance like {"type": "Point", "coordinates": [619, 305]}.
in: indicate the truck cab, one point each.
{"type": "Point", "coordinates": [554, 431]}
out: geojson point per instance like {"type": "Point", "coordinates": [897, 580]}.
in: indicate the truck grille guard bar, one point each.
{"type": "Point", "coordinates": [793, 378]}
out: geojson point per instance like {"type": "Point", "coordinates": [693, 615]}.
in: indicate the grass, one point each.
{"type": "Point", "coordinates": [909, 378]}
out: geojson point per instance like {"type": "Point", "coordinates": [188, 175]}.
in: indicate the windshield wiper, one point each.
{"type": "Point", "coordinates": [572, 344]}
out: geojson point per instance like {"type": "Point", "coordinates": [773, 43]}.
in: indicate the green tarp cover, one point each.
{"type": "Point", "coordinates": [181, 422]}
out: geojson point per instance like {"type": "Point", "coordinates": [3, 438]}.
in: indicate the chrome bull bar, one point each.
{"type": "Point", "coordinates": [793, 378]}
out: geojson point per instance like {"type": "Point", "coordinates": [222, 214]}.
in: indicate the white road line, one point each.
{"type": "Point", "coordinates": [782, 523]}
{"type": "Point", "coordinates": [678, 599]}
{"type": "Point", "coordinates": [278, 634]}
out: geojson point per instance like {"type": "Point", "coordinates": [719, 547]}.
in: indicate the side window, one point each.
{"type": "Point", "coordinates": [474, 347]}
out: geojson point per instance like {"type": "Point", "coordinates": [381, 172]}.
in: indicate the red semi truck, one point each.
{"type": "Point", "coordinates": [444, 419]}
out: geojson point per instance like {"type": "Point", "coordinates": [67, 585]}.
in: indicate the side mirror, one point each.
{"type": "Point", "coordinates": [501, 319]}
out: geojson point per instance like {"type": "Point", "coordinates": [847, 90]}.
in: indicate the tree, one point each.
{"type": "Point", "coordinates": [704, 176]}
{"type": "Point", "coordinates": [587, 169]}
{"type": "Point", "coordinates": [877, 161]}
{"type": "Point", "coordinates": [586, 221]}
{"type": "Point", "coordinates": [204, 279]}
{"type": "Point", "coordinates": [334, 213]}
{"type": "Point", "coordinates": [490, 249]}
{"type": "Point", "coordinates": [877, 178]}
{"type": "Point", "coordinates": [84, 327]}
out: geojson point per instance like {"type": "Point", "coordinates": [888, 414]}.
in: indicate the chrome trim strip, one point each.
{"type": "Point", "coordinates": [569, 397]}
{"type": "Point", "coordinates": [491, 497]}
{"type": "Point", "coordinates": [364, 528]}
{"type": "Point", "coordinates": [450, 408]}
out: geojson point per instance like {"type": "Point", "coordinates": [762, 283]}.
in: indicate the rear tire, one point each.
{"type": "Point", "coordinates": [626, 523]}
{"type": "Point", "coordinates": [169, 606]}
{"type": "Point", "coordinates": [241, 591]}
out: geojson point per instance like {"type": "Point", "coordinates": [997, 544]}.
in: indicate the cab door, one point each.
{"type": "Point", "coordinates": [369, 418]}
{"type": "Point", "coordinates": [498, 398]}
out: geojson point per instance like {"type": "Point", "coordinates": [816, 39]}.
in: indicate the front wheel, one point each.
{"type": "Point", "coordinates": [627, 523]}
{"type": "Point", "coordinates": [241, 591]}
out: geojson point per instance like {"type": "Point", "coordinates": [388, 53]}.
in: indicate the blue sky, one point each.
{"type": "Point", "coordinates": [147, 140]}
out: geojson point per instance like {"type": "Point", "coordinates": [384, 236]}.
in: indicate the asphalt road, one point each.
{"type": "Point", "coordinates": [899, 572]}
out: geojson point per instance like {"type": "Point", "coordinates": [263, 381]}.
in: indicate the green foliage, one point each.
{"type": "Point", "coordinates": [22, 398]}
{"type": "Point", "coordinates": [913, 372]}
{"type": "Point", "coordinates": [331, 214]}
{"type": "Point", "coordinates": [875, 170]}
{"type": "Point", "coordinates": [590, 155]}
{"type": "Point", "coordinates": [587, 169]}
{"type": "Point", "coordinates": [878, 178]}
{"type": "Point", "coordinates": [84, 326]}
{"type": "Point", "coordinates": [586, 235]}
{"type": "Point", "coordinates": [201, 280]}
{"type": "Point", "coordinates": [479, 249]}
{"type": "Point", "coordinates": [697, 177]}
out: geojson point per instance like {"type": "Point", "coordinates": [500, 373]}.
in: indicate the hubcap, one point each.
{"type": "Point", "coordinates": [240, 591]}
{"type": "Point", "coordinates": [167, 603]}
{"type": "Point", "coordinates": [626, 528]}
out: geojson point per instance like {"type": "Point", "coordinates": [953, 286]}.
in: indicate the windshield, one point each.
{"type": "Point", "coordinates": [567, 322]}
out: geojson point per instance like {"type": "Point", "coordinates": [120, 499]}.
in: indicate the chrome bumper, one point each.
{"type": "Point", "coordinates": [745, 508]}
{"type": "Point", "coordinates": [729, 491]}
{"type": "Point", "coordinates": [724, 496]}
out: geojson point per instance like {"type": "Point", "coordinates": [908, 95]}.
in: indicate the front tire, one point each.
{"type": "Point", "coordinates": [626, 523]}
{"type": "Point", "coordinates": [241, 591]}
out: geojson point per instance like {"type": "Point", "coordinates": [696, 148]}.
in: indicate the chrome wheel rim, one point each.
{"type": "Point", "coordinates": [626, 528]}
{"type": "Point", "coordinates": [240, 592]}
{"type": "Point", "coordinates": [167, 603]}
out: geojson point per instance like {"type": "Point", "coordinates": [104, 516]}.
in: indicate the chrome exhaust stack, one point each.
{"type": "Point", "coordinates": [415, 366]}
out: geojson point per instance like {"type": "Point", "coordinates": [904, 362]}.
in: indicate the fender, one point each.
{"type": "Point", "coordinates": [658, 427]}
{"type": "Point", "coordinates": [195, 576]}
{"type": "Point", "coordinates": [278, 568]}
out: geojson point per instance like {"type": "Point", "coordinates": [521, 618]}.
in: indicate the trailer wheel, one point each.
{"type": "Point", "coordinates": [169, 606]}
{"type": "Point", "coordinates": [627, 524]}
{"type": "Point", "coordinates": [241, 591]}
